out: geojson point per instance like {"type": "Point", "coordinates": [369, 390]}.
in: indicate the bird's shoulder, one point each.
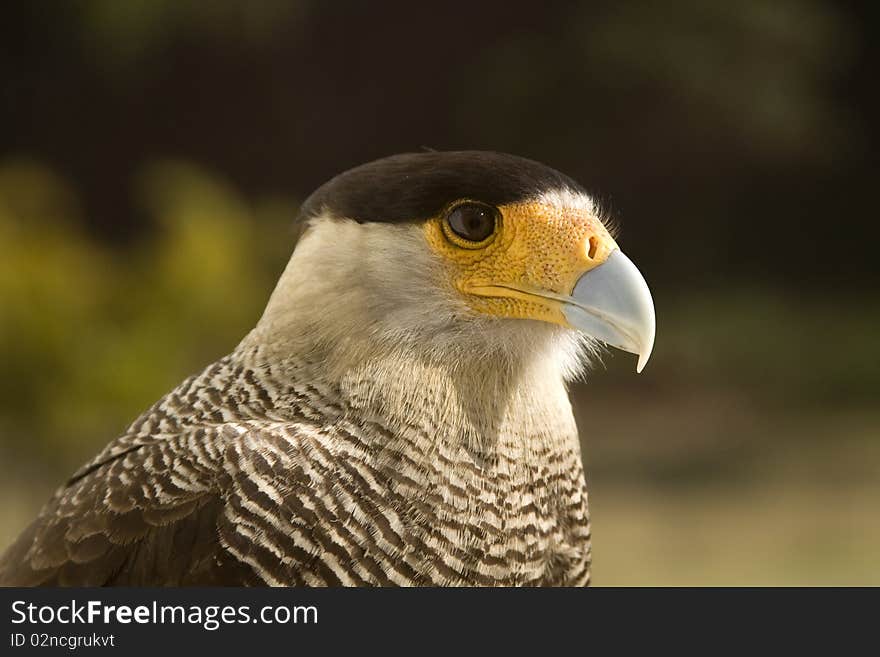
{"type": "Point", "coordinates": [144, 512]}
{"type": "Point", "coordinates": [148, 509]}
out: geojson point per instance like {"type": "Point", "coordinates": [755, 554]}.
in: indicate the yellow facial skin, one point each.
{"type": "Point", "coordinates": [537, 251]}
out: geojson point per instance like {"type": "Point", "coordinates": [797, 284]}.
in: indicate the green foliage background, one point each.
{"type": "Point", "coordinates": [89, 333]}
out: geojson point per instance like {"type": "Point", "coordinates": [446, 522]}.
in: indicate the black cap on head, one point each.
{"type": "Point", "coordinates": [416, 186]}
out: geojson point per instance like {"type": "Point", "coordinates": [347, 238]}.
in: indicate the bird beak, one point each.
{"type": "Point", "coordinates": [612, 303]}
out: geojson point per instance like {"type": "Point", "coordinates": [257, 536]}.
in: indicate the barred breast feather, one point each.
{"type": "Point", "coordinates": [241, 476]}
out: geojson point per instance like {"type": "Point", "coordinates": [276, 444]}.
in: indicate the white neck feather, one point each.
{"type": "Point", "coordinates": [368, 303]}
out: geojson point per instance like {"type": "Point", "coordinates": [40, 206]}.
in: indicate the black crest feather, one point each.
{"type": "Point", "coordinates": [416, 186]}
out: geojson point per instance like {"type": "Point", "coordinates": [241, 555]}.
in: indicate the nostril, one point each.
{"type": "Point", "coordinates": [594, 246]}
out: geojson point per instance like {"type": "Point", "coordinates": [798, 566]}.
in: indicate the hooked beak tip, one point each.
{"type": "Point", "coordinates": [643, 360]}
{"type": "Point", "coordinates": [613, 303]}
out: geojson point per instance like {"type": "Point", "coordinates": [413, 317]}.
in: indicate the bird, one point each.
{"type": "Point", "coordinates": [399, 414]}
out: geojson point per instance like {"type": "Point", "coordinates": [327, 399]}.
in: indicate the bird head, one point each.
{"type": "Point", "coordinates": [465, 250]}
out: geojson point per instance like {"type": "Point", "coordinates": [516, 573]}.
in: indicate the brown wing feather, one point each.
{"type": "Point", "coordinates": [145, 516]}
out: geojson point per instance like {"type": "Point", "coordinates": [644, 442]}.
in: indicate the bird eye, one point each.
{"type": "Point", "coordinates": [473, 222]}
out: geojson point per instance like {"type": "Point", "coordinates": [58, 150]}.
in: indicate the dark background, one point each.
{"type": "Point", "coordinates": [153, 153]}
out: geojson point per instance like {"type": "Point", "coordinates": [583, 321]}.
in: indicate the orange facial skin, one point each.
{"type": "Point", "coordinates": [537, 252]}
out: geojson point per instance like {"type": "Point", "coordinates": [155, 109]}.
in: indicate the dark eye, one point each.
{"type": "Point", "coordinates": [472, 221]}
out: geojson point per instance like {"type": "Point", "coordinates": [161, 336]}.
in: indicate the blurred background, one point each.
{"type": "Point", "coordinates": [153, 154]}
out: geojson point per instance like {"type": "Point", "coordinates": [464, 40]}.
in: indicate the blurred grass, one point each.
{"type": "Point", "coordinates": [747, 453]}
{"type": "Point", "coordinates": [716, 488]}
